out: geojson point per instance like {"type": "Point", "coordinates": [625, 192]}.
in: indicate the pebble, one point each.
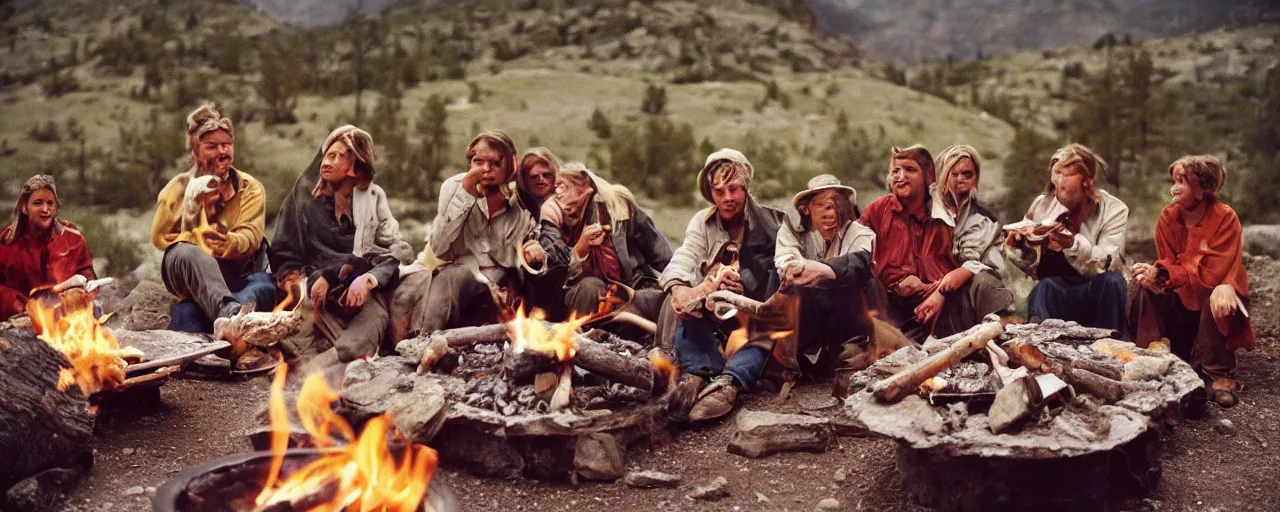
{"type": "Point", "coordinates": [651, 479]}
{"type": "Point", "coordinates": [128, 451]}
{"type": "Point", "coordinates": [761, 498]}
{"type": "Point", "coordinates": [1225, 427]}
{"type": "Point", "coordinates": [828, 504]}
{"type": "Point", "coordinates": [713, 491]}
{"type": "Point", "coordinates": [134, 491]}
{"type": "Point", "coordinates": [841, 476]}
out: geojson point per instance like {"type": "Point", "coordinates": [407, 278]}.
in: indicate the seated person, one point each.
{"type": "Point", "coordinates": [831, 310]}
{"type": "Point", "coordinates": [976, 236]}
{"type": "Point", "coordinates": [1079, 264]}
{"type": "Point", "coordinates": [595, 234]}
{"type": "Point", "coordinates": [215, 270]}
{"type": "Point", "coordinates": [482, 234]}
{"type": "Point", "coordinates": [336, 229]}
{"type": "Point", "coordinates": [38, 250]}
{"type": "Point", "coordinates": [1196, 294]}
{"type": "Point", "coordinates": [928, 292]}
{"type": "Point", "coordinates": [738, 235]}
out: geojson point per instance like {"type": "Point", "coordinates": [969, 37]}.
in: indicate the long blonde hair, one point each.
{"type": "Point", "coordinates": [945, 161]}
{"type": "Point", "coordinates": [618, 200]}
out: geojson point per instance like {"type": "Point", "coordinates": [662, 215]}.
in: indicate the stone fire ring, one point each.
{"type": "Point", "coordinates": [1082, 458]}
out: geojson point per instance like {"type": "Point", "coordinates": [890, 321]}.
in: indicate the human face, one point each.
{"type": "Point", "coordinates": [1185, 192]}
{"type": "Point", "coordinates": [963, 178]}
{"type": "Point", "coordinates": [906, 179]}
{"type": "Point", "coordinates": [215, 153]}
{"type": "Point", "coordinates": [1071, 187]}
{"type": "Point", "coordinates": [41, 208]}
{"type": "Point", "coordinates": [489, 165]}
{"type": "Point", "coordinates": [541, 180]}
{"type": "Point", "coordinates": [730, 198]}
{"type": "Point", "coordinates": [338, 164]}
{"type": "Point", "coordinates": [572, 197]}
{"type": "Point", "coordinates": [822, 212]}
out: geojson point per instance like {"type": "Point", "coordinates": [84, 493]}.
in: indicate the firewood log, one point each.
{"type": "Point", "coordinates": [908, 381]}
{"type": "Point", "coordinates": [594, 357]}
{"type": "Point", "coordinates": [40, 427]}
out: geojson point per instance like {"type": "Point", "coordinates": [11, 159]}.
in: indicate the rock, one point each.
{"type": "Point", "coordinates": [1225, 427]}
{"type": "Point", "coordinates": [146, 307]}
{"type": "Point", "coordinates": [44, 491]}
{"type": "Point", "coordinates": [136, 490]}
{"type": "Point", "coordinates": [598, 456]}
{"type": "Point", "coordinates": [652, 479]}
{"type": "Point", "coordinates": [1147, 368]}
{"type": "Point", "coordinates": [828, 504]}
{"type": "Point", "coordinates": [761, 498]}
{"type": "Point", "coordinates": [841, 476]}
{"type": "Point", "coordinates": [763, 433]}
{"type": "Point", "coordinates": [713, 491]}
{"type": "Point", "coordinates": [127, 451]}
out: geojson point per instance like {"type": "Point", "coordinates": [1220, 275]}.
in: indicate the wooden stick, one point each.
{"type": "Point", "coordinates": [176, 360]}
{"type": "Point", "coordinates": [905, 382]}
{"type": "Point", "coordinates": [594, 357]}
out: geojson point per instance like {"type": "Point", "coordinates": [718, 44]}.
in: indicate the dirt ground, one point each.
{"type": "Point", "coordinates": [1207, 466]}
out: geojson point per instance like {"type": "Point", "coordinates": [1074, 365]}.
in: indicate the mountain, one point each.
{"type": "Point", "coordinates": [918, 30]}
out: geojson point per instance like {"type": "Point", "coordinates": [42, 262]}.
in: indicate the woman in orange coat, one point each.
{"type": "Point", "coordinates": [1196, 294]}
{"type": "Point", "coordinates": [38, 250]}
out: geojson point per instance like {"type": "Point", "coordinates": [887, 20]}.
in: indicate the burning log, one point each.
{"type": "Point", "coordinates": [908, 381]}
{"type": "Point", "coordinates": [591, 356]}
{"type": "Point", "coordinates": [40, 426]}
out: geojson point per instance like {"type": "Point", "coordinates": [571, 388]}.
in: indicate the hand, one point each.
{"type": "Point", "coordinates": [1013, 238]}
{"type": "Point", "coordinates": [809, 272]}
{"type": "Point", "coordinates": [592, 235]}
{"type": "Point", "coordinates": [533, 253]}
{"type": "Point", "coordinates": [728, 279]}
{"type": "Point", "coordinates": [358, 292]}
{"type": "Point", "coordinates": [954, 280]}
{"type": "Point", "coordinates": [1061, 239]}
{"type": "Point", "coordinates": [215, 241]}
{"type": "Point", "coordinates": [910, 286]}
{"type": "Point", "coordinates": [928, 310]}
{"type": "Point", "coordinates": [319, 290]}
{"type": "Point", "coordinates": [681, 296]}
{"type": "Point", "coordinates": [1223, 301]}
{"type": "Point", "coordinates": [1145, 275]}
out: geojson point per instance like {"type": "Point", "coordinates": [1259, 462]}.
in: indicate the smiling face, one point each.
{"type": "Point", "coordinates": [41, 209]}
{"type": "Point", "coordinates": [338, 164]}
{"type": "Point", "coordinates": [490, 164]}
{"type": "Point", "coordinates": [1185, 192]}
{"type": "Point", "coordinates": [906, 179]}
{"type": "Point", "coordinates": [962, 179]}
{"type": "Point", "coordinates": [215, 153]}
{"type": "Point", "coordinates": [1071, 186]}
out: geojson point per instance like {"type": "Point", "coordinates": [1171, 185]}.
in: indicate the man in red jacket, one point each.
{"type": "Point", "coordinates": [927, 290]}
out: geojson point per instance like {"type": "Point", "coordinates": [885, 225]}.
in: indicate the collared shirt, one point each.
{"type": "Point", "coordinates": [907, 245]}
{"type": "Point", "coordinates": [465, 232]}
{"type": "Point", "coordinates": [977, 237]}
{"type": "Point", "coordinates": [1099, 243]}
{"type": "Point", "coordinates": [31, 262]}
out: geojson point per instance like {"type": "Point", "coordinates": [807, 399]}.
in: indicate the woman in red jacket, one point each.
{"type": "Point", "coordinates": [38, 250]}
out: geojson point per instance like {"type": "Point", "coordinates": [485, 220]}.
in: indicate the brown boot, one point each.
{"type": "Point", "coordinates": [1224, 392]}
{"type": "Point", "coordinates": [716, 400]}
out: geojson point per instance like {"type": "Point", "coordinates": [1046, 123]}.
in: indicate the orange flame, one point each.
{"type": "Point", "coordinates": [295, 285]}
{"type": "Point", "coordinates": [97, 361]}
{"type": "Point", "coordinates": [737, 339]}
{"type": "Point", "coordinates": [361, 471]}
{"type": "Point", "coordinates": [664, 367]}
{"type": "Point", "coordinates": [530, 332]}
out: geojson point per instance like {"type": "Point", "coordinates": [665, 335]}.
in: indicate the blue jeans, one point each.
{"type": "Point", "coordinates": [1098, 303]}
{"type": "Point", "coordinates": [697, 347]}
{"type": "Point", "coordinates": [259, 288]}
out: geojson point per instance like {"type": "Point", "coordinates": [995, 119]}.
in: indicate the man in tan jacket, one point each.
{"type": "Point", "coordinates": [216, 267]}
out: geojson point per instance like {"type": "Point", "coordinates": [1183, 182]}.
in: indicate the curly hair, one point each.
{"type": "Point", "coordinates": [1206, 171]}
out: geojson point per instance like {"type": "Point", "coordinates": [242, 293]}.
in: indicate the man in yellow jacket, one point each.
{"type": "Point", "coordinates": [218, 262]}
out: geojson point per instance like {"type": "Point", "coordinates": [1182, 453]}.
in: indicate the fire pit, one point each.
{"type": "Point", "coordinates": [1059, 451]}
{"type": "Point", "coordinates": [231, 483]}
{"type": "Point", "coordinates": [500, 406]}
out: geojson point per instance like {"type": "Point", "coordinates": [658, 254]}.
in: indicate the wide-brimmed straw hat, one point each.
{"type": "Point", "coordinates": [824, 182]}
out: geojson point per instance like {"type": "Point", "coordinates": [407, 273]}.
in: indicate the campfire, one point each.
{"type": "Point", "coordinates": [1050, 414]}
{"type": "Point", "coordinates": [354, 472]}
{"type": "Point", "coordinates": [526, 397]}
{"type": "Point", "coordinates": [98, 362]}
